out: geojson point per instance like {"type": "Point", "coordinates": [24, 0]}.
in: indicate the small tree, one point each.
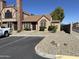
{"type": "Point", "coordinates": [58, 14]}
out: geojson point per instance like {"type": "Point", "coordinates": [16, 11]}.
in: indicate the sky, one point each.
{"type": "Point", "coordinates": [39, 7]}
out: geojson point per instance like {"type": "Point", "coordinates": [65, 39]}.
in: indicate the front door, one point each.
{"type": "Point", "coordinates": [10, 25]}
{"type": "Point", "coordinates": [33, 26]}
{"type": "Point", "coordinates": [15, 26]}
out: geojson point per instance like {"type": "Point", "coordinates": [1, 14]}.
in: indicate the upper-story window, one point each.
{"type": "Point", "coordinates": [43, 23]}
{"type": "Point", "coordinates": [8, 14]}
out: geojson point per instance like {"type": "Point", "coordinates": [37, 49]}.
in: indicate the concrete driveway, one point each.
{"type": "Point", "coordinates": [19, 47]}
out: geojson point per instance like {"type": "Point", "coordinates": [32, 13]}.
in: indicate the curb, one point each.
{"type": "Point", "coordinates": [30, 35]}
{"type": "Point", "coordinates": [45, 55]}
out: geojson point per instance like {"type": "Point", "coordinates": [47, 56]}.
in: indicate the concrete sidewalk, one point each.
{"type": "Point", "coordinates": [31, 33]}
{"type": "Point", "coordinates": [59, 46]}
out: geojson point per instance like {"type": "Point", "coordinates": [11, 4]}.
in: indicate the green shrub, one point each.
{"type": "Point", "coordinates": [52, 28]}
{"type": "Point", "coordinates": [27, 29]}
{"type": "Point", "coordinates": [42, 28]}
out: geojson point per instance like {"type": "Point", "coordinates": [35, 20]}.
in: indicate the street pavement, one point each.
{"type": "Point", "coordinates": [19, 47]}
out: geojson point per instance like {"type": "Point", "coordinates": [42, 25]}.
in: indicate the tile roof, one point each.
{"type": "Point", "coordinates": [35, 18]}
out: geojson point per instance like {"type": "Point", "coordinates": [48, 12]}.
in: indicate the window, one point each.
{"type": "Point", "coordinates": [43, 23]}
{"type": "Point", "coordinates": [8, 14]}
{"type": "Point", "coordinates": [9, 24]}
{"type": "Point", "coordinates": [27, 26]}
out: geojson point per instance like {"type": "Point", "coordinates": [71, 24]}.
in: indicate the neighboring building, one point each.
{"type": "Point", "coordinates": [76, 25]}
{"type": "Point", "coordinates": [33, 22]}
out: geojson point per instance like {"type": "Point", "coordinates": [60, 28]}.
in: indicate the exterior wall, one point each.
{"type": "Point", "coordinates": [58, 26]}
{"type": "Point", "coordinates": [37, 27]}
{"type": "Point", "coordinates": [75, 26]}
{"type": "Point", "coordinates": [8, 20]}
{"type": "Point", "coordinates": [47, 23]}
{"type": "Point", "coordinates": [5, 24]}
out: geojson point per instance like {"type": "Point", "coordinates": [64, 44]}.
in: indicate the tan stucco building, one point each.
{"type": "Point", "coordinates": [9, 16]}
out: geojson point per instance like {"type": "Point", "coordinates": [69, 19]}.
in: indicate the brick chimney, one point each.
{"type": "Point", "coordinates": [19, 15]}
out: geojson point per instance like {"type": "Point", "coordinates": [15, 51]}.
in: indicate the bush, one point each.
{"type": "Point", "coordinates": [52, 28]}
{"type": "Point", "coordinates": [27, 29]}
{"type": "Point", "coordinates": [42, 28]}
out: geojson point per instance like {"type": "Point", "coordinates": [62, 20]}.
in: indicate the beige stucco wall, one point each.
{"type": "Point", "coordinates": [47, 23]}
{"type": "Point", "coordinates": [5, 24]}
{"type": "Point", "coordinates": [23, 26]}
{"type": "Point", "coordinates": [58, 26]}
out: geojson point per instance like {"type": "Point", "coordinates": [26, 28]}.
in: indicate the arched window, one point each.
{"type": "Point", "coordinates": [8, 14]}
{"type": "Point", "coordinates": [43, 23]}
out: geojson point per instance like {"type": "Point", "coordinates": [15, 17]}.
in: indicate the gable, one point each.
{"type": "Point", "coordinates": [12, 10]}
{"type": "Point", "coordinates": [45, 17]}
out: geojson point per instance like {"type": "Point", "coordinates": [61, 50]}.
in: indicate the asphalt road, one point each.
{"type": "Point", "coordinates": [19, 47]}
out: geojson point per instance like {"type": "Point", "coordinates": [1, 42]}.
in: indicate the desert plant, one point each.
{"type": "Point", "coordinates": [27, 29]}
{"type": "Point", "coordinates": [52, 28]}
{"type": "Point", "coordinates": [42, 28]}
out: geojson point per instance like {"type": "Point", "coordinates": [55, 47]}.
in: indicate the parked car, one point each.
{"type": "Point", "coordinates": [5, 31]}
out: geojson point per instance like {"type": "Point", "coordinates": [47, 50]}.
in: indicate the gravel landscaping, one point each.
{"type": "Point", "coordinates": [60, 43]}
